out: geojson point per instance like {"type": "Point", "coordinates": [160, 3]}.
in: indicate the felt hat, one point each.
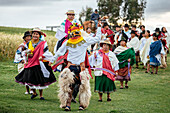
{"type": "Point", "coordinates": [105, 41]}
{"type": "Point", "coordinates": [27, 33]}
{"type": "Point", "coordinates": [126, 25]}
{"type": "Point", "coordinates": [37, 29]}
{"type": "Point", "coordinates": [157, 30]}
{"type": "Point", "coordinates": [70, 12]}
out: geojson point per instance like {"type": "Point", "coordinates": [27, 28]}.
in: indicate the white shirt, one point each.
{"type": "Point", "coordinates": [143, 42]}
{"type": "Point", "coordinates": [77, 55]}
{"type": "Point", "coordinates": [134, 42]}
{"type": "Point", "coordinates": [97, 61]}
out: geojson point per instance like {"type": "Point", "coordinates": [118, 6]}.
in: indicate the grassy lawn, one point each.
{"type": "Point", "coordinates": [146, 94]}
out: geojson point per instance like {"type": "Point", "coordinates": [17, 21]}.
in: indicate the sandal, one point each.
{"type": "Point", "coordinates": [42, 98]}
{"type": "Point", "coordinates": [100, 100]}
{"type": "Point", "coordinates": [151, 72]}
{"type": "Point", "coordinates": [146, 71]}
{"type": "Point", "coordinates": [109, 99]}
{"type": "Point", "coordinates": [81, 108]}
{"type": "Point", "coordinates": [126, 87]}
{"type": "Point", "coordinates": [67, 108]}
{"type": "Point", "coordinates": [33, 96]}
{"type": "Point", "coordinates": [121, 87]}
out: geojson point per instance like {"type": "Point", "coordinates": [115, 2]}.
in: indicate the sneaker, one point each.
{"type": "Point", "coordinates": [31, 92]}
{"type": "Point", "coordinates": [26, 93]}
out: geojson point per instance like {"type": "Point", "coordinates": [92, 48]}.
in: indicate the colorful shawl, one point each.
{"type": "Point", "coordinates": [37, 52]}
{"type": "Point", "coordinates": [124, 56]}
{"type": "Point", "coordinates": [107, 65]}
{"type": "Point", "coordinates": [155, 48]}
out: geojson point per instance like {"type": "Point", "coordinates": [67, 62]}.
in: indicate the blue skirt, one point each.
{"type": "Point", "coordinates": [154, 61]}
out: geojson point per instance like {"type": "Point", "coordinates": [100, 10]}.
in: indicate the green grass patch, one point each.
{"type": "Point", "coordinates": [146, 94]}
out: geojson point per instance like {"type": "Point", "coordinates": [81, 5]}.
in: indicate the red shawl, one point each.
{"type": "Point", "coordinates": [38, 51]}
{"type": "Point", "coordinates": [60, 60]}
{"type": "Point", "coordinates": [107, 65]}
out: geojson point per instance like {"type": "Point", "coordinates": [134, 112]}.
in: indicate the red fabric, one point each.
{"type": "Point", "coordinates": [107, 65]}
{"type": "Point", "coordinates": [87, 64]}
{"type": "Point", "coordinates": [67, 25]}
{"type": "Point", "coordinates": [38, 51]}
{"type": "Point", "coordinates": [109, 32]}
{"type": "Point", "coordinates": [62, 58]}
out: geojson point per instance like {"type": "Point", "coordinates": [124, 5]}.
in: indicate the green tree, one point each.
{"type": "Point", "coordinates": [133, 11]}
{"type": "Point", "coordinates": [110, 8]}
{"type": "Point", "coordinates": [85, 14]}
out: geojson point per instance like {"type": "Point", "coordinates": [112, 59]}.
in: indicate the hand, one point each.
{"type": "Point", "coordinates": [49, 64]}
{"type": "Point", "coordinates": [116, 74]}
{"type": "Point", "coordinates": [129, 60]}
{"type": "Point", "coordinates": [40, 58]}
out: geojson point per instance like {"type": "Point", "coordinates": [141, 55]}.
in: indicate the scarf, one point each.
{"type": "Point", "coordinates": [155, 48]}
{"type": "Point", "coordinates": [37, 52]}
{"type": "Point", "coordinates": [107, 65]}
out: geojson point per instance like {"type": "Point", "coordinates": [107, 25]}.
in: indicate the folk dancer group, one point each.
{"type": "Point", "coordinates": [112, 59]}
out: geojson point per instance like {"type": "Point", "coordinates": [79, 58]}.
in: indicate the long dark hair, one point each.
{"type": "Point", "coordinates": [148, 32]}
{"type": "Point", "coordinates": [164, 31]}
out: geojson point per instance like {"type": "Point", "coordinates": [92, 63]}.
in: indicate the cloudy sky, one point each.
{"type": "Point", "coordinates": [42, 13]}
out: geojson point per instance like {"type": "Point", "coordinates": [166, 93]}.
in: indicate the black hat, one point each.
{"type": "Point", "coordinates": [157, 30]}
{"type": "Point", "coordinates": [134, 26]}
{"type": "Point", "coordinates": [117, 26]}
{"type": "Point", "coordinates": [126, 25]}
{"type": "Point", "coordinates": [27, 33]}
{"type": "Point", "coordinates": [133, 32]}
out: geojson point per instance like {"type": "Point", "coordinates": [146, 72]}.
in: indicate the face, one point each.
{"type": "Point", "coordinates": [70, 16]}
{"type": "Point", "coordinates": [142, 28]}
{"type": "Point", "coordinates": [27, 38]}
{"type": "Point", "coordinates": [164, 29]}
{"type": "Point", "coordinates": [117, 28]}
{"type": "Point", "coordinates": [35, 36]}
{"type": "Point", "coordinates": [89, 30]}
{"type": "Point", "coordinates": [105, 47]}
{"type": "Point", "coordinates": [132, 35]}
{"type": "Point", "coordinates": [123, 43]}
{"type": "Point", "coordinates": [133, 28]}
{"type": "Point", "coordinates": [146, 34]}
{"type": "Point", "coordinates": [126, 28]}
{"type": "Point", "coordinates": [154, 38]}
{"type": "Point", "coordinates": [106, 27]}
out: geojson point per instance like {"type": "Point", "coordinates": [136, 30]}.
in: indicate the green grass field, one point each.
{"type": "Point", "coordinates": [146, 94]}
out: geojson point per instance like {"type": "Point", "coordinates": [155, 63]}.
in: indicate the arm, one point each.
{"type": "Point", "coordinates": [91, 40]}
{"type": "Point", "coordinates": [61, 51]}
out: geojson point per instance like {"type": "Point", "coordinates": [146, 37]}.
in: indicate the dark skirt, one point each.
{"type": "Point", "coordinates": [154, 61]}
{"type": "Point", "coordinates": [104, 84]}
{"type": "Point", "coordinates": [34, 78]}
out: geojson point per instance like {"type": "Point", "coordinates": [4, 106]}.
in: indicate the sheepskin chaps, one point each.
{"type": "Point", "coordinates": [65, 80]}
{"type": "Point", "coordinates": [84, 90]}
